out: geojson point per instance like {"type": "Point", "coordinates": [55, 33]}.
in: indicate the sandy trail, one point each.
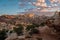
{"type": "Point", "coordinates": [46, 33]}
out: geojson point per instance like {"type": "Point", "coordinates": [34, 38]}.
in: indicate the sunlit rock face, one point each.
{"type": "Point", "coordinates": [30, 15]}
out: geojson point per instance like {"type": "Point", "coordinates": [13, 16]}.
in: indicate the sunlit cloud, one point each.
{"type": "Point", "coordinates": [52, 1]}
{"type": "Point", "coordinates": [40, 3]}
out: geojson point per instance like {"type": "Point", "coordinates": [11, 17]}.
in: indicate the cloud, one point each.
{"type": "Point", "coordinates": [52, 1]}
{"type": "Point", "coordinates": [23, 3]}
{"type": "Point", "coordinates": [40, 3]}
{"type": "Point", "coordinates": [44, 11]}
{"type": "Point", "coordinates": [55, 3]}
{"type": "Point", "coordinates": [40, 0]}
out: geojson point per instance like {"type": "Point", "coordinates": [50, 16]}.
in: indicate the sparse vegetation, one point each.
{"type": "Point", "coordinates": [3, 35]}
{"type": "Point", "coordinates": [34, 31]}
{"type": "Point", "coordinates": [42, 24]}
{"type": "Point", "coordinates": [32, 25]}
{"type": "Point", "coordinates": [19, 29]}
{"type": "Point", "coordinates": [39, 38]}
{"type": "Point", "coordinates": [29, 27]}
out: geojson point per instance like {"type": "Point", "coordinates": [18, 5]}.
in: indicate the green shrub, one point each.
{"type": "Point", "coordinates": [3, 34]}
{"type": "Point", "coordinates": [34, 31]}
{"type": "Point", "coordinates": [19, 30]}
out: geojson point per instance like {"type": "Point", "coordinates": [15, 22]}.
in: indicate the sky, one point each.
{"type": "Point", "coordinates": [16, 6]}
{"type": "Point", "coordinates": [8, 6]}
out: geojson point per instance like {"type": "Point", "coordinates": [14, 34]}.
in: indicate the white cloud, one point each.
{"type": "Point", "coordinates": [40, 3]}
{"type": "Point", "coordinates": [51, 8]}
{"type": "Point", "coordinates": [52, 1]}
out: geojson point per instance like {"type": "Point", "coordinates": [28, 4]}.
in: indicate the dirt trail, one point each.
{"type": "Point", "coordinates": [46, 33]}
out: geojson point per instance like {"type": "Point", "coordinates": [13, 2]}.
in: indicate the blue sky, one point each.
{"type": "Point", "coordinates": [15, 6]}
{"type": "Point", "coordinates": [12, 6]}
{"type": "Point", "coordinates": [8, 7]}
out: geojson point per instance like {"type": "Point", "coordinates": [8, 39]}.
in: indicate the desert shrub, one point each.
{"type": "Point", "coordinates": [19, 29]}
{"type": "Point", "coordinates": [39, 38]}
{"type": "Point", "coordinates": [34, 31]}
{"type": "Point", "coordinates": [3, 35]}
